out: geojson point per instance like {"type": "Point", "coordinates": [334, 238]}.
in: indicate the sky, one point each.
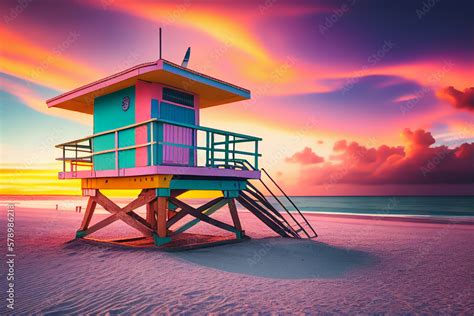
{"type": "Point", "coordinates": [350, 97]}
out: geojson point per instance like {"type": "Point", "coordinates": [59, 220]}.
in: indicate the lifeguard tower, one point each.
{"type": "Point", "coordinates": [147, 135]}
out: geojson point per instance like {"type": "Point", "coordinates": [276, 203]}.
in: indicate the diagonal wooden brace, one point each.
{"type": "Point", "coordinates": [183, 213]}
{"type": "Point", "coordinates": [125, 214]}
{"type": "Point", "coordinates": [197, 214]}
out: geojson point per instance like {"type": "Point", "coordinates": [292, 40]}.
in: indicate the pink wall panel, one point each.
{"type": "Point", "coordinates": [145, 91]}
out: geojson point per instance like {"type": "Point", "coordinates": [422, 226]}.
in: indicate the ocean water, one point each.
{"type": "Point", "coordinates": [385, 205]}
{"type": "Point", "coordinates": [452, 206]}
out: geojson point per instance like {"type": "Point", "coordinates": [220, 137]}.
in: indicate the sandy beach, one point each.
{"type": "Point", "coordinates": [357, 265]}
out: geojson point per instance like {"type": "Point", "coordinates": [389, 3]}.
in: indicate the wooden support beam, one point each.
{"type": "Point", "coordinates": [192, 211]}
{"type": "Point", "coordinates": [162, 205]}
{"type": "Point", "coordinates": [208, 212]}
{"type": "Point", "coordinates": [91, 204]}
{"type": "Point", "coordinates": [144, 198]}
{"type": "Point", "coordinates": [123, 214]}
{"type": "Point", "coordinates": [171, 214]}
{"type": "Point", "coordinates": [151, 214]}
{"type": "Point", "coordinates": [183, 213]}
{"type": "Point", "coordinates": [235, 215]}
{"type": "Point", "coordinates": [175, 193]}
{"type": "Point", "coordinates": [105, 222]}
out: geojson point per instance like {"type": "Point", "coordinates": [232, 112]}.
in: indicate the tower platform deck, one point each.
{"type": "Point", "coordinates": [162, 170]}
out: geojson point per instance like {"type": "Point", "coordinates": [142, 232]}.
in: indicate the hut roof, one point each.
{"type": "Point", "coordinates": [211, 91]}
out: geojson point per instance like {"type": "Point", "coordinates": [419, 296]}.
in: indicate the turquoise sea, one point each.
{"type": "Point", "coordinates": [385, 205]}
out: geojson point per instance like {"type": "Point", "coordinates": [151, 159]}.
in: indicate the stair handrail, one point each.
{"type": "Point", "coordinates": [286, 210]}
{"type": "Point", "coordinates": [243, 163]}
{"type": "Point", "coordinates": [292, 203]}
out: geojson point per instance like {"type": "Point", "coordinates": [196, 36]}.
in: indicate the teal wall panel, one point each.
{"type": "Point", "coordinates": [177, 113]}
{"type": "Point", "coordinates": [108, 115]}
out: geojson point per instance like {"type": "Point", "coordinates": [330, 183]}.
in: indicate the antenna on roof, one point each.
{"type": "Point", "coordinates": [160, 42]}
{"type": "Point", "coordinates": [186, 58]}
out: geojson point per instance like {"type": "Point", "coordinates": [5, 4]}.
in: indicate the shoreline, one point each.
{"type": "Point", "coordinates": [466, 220]}
{"type": "Point", "coordinates": [63, 199]}
{"type": "Point", "coordinates": [423, 219]}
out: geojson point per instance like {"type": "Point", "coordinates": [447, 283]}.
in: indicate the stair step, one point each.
{"type": "Point", "coordinates": [257, 197]}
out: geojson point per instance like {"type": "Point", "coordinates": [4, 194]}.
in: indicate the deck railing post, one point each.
{"type": "Point", "coordinates": [226, 152]}
{"type": "Point", "coordinates": [256, 155]}
{"type": "Point", "coordinates": [207, 148]}
{"type": "Point", "coordinates": [212, 149]}
{"type": "Point", "coordinates": [233, 150]}
{"type": "Point", "coordinates": [152, 140]}
{"type": "Point", "coordinates": [116, 152]}
{"type": "Point", "coordinates": [64, 158]}
{"type": "Point", "coordinates": [75, 161]}
{"type": "Point", "coordinates": [91, 146]}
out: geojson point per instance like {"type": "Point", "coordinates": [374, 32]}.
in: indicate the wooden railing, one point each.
{"type": "Point", "coordinates": [170, 143]}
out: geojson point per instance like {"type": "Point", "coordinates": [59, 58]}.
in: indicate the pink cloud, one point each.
{"type": "Point", "coordinates": [415, 163]}
{"type": "Point", "coordinates": [417, 140]}
{"type": "Point", "coordinates": [305, 157]}
{"type": "Point", "coordinates": [459, 99]}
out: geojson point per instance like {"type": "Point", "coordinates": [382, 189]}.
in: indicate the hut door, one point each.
{"type": "Point", "coordinates": [177, 135]}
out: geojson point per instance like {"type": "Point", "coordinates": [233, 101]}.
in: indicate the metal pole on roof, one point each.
{"type": "Point", "coordinates": [160, 42]}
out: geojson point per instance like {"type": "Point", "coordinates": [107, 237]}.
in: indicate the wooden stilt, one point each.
{"type": "Point", "coordinates": [160, 235]}
{"type": "Point", "coordinates": [161, 213]}
{"type": "Point", "coordinates": [151, 214]}
{"type": "Point", "coordinates": [162, 205]}
{"type": "Point", "coordinates": [235, 218]}
{"type": "Point", "coordinates": [91, 204]}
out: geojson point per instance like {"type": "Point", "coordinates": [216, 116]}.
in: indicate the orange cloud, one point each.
{"type": "Point", "coordinates": [47, 66]}
{"type": "Point", "coordinates": [416, 163]}
{"type": "Point", "coordinates": [417, 140]}
{"type": "Point", "coordinates": [459, 99]}
{"type": "Point", "coordinates": [305, 157]}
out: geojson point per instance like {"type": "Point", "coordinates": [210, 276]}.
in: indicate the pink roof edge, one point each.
{"type": "Point", "coordinates": [98, 84]}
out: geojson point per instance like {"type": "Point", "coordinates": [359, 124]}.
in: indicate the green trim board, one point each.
{"type": "Point", "coordinates": [215, 184]}
{"type": "Point", "coordinates": [231, 193]}
{"type": "Point", "coordinates": [163, 192]}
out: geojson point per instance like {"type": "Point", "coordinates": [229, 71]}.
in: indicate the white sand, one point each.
{"type": "Point", "coordinates": [355, 266]}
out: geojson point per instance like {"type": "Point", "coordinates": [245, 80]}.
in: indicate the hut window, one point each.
{"type": "Point", "coordinates": [178, 97]}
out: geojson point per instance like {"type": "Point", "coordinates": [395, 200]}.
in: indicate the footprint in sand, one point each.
{"type": "Point", "coordinates": [214, 298]}
{"type": "Point", "coordinates": [194, 294]}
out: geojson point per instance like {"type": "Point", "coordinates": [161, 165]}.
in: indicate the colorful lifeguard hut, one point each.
{"type": "Point", "coordinates": [147, 135]}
